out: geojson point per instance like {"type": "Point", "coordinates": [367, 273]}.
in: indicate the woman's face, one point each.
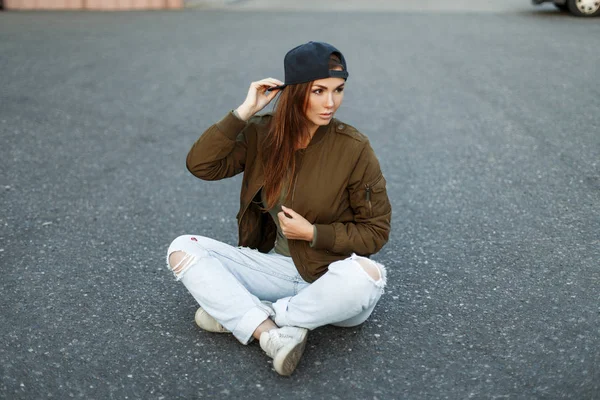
{"type": "Point", "coordinates": [325, 97]}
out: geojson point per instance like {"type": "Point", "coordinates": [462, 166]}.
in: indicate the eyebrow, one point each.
{"type": "Point", "coordinates": [325, 87]}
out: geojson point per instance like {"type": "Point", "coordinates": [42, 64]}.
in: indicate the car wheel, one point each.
{"type": "Point", "coordinates": [562, 7]}
{"type": "Point", "coordinates": [584, 8]}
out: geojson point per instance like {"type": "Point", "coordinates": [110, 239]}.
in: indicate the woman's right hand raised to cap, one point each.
{"type": "Point", "coordinates": [258, 97]}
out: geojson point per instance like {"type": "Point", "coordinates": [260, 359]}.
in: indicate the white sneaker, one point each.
{"type": "Point", "coordinates": [208, 323]}
{"type": "Point", "coordinates": [285, 346]}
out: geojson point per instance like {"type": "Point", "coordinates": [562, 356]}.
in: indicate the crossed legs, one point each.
{"type": "Point", "coordinates": [230, 282]}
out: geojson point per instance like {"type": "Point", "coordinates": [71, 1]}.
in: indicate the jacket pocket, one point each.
{"type": "Point", "coordinates": [371, 192]}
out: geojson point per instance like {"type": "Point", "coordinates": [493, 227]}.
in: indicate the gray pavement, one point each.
{"type": "Point", "coordinates": [437, 6]}
{"type": "Point", "coordinates": [487, 128]}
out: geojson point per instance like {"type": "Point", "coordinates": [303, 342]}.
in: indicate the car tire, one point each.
{"type": "Point", "coordinates": [584, 8]}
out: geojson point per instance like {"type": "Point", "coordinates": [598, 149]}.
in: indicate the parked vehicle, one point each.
{"type": "Point", "coordinates": [580, 8]}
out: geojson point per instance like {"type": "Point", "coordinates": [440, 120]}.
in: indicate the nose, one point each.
{"type": "Point", "coordinates": [329, 100]}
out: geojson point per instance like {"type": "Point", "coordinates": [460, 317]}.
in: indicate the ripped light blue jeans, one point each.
{"type": "Point", "coordinates": [233, 284]}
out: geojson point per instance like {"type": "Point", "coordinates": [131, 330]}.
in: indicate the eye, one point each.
{"type": "Point", "coordinates": [339, 90]}
{"type": "Point", "coordinates": [318, 91]}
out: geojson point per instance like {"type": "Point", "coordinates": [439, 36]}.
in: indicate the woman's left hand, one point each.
{"type": "Point", "coordinates": [294, 225]}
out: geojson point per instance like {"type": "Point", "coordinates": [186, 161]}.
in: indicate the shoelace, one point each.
{"type": "Point", "coordinates": [276, 339]}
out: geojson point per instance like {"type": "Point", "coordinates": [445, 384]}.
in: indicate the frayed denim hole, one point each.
{"type": "Point", "coordinates": [182, 266]}
{"type": "Point", "coordinates": [382, 281]}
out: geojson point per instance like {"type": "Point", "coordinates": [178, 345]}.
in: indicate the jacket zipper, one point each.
{"type": "Point", "coordinates": [246, 209]}
{"type": "Point", "coordinates": [294, 193]}
{"type": "Point", "coordinates": [296, 181]}
{"type": "Point", "coordinates": [368, 194]}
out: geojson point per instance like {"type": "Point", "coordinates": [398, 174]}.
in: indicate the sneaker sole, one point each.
{"type": "Point", "coordinates": [288, 357]}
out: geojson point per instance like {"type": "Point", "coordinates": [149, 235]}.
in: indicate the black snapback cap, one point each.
{"type": "Point", "coordinates": [309, 62]}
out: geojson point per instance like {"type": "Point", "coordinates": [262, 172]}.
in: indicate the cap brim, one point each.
{"type": "Point", "coordinates": [276, 88]}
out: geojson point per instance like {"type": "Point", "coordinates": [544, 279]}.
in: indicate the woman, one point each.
{"type": "Point", "coordinates": [312, 198]}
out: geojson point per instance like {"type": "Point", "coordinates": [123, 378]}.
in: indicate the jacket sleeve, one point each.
{"type": "Point", "coordinates": [221, 150]}
{"type": "Point", "coordinates": [370, 229]}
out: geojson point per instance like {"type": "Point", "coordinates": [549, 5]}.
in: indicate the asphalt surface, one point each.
{"type": "Point", "coordinates": [436, 6]}
{"type": "Point", "coordinates": [488, 131]}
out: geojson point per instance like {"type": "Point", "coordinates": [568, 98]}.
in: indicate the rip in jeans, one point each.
{"type": "Point", "coordinates": [367, 266]}
{"type": "Point", "coordinates": [182, 265]}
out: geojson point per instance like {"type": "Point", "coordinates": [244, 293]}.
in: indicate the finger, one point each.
{"type": "Point", "coordinates": [271, 94]}
{"type": "Point", "coordinates": [282, 218]}
{"type": "Point", "coordinates": [289, 211]}
{"type": "Point", "coordinates": [273, 81]}
{"type": "Point", "coordinates": [266, 91]}
{"type": "Point", "coordinates": [269, 83]}
{"type": "Point", "coordinates": [270, 88]}
{"type": "Point", "coordinates": [272, 91]}
{"type": "Point", "coordinates": [261, 86]}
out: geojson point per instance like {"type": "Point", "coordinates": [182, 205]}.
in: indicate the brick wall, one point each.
{"type": "Point", "coordinates": [91, 4]}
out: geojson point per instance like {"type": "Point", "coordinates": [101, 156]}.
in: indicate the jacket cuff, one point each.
{"type": "Point", "coordinates": [314, 240]}
{"type": "Point", "coordinates": [231, 125]}
{"type": "Point", "coordinates": [325, 238]}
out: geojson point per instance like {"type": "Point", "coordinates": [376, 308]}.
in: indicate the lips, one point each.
{"type": "Point", "coordinates": [326, 115]}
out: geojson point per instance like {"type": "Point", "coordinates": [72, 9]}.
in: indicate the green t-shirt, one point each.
{"type": "Point", "coordinates": [281, 242]}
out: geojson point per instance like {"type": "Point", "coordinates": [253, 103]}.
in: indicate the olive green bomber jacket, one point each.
{"type": "Point", "coordinates": [338, 187]}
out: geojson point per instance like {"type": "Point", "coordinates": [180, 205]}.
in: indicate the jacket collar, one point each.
{"type": "Point", "coordinates": [319, 134]}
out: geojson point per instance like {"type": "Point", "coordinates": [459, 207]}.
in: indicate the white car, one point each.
{"type": "Point", "coordinates": [580, 8]}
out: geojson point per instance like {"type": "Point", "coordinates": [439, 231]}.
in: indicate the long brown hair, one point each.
{"type": "Point", "coordinates": [288, 132]}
